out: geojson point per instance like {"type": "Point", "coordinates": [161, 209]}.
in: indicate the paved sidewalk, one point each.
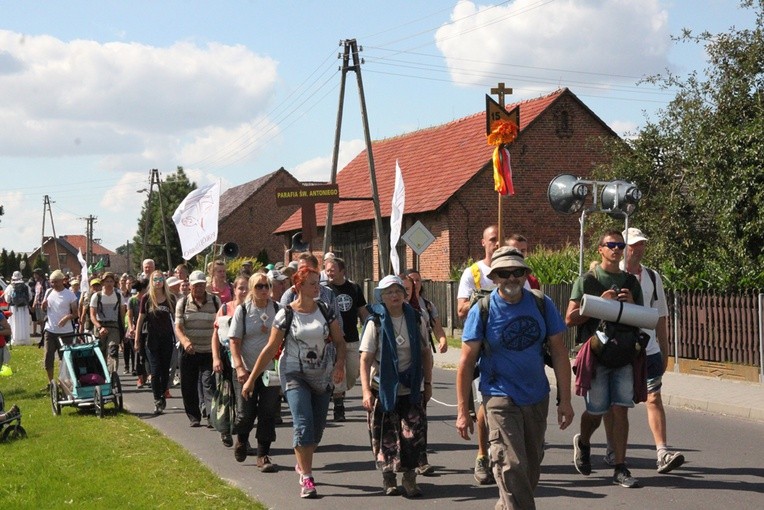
{"type": "Point", "coordinates": [733, 398]}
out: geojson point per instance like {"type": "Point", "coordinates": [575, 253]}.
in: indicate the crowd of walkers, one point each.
{"type": "Point", "coordinates": [305, 335]}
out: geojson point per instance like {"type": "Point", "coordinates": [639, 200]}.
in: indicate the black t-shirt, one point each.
{"type": "Point", "coordinates": [158, 323]}
{"type": "Point", "coordinates": [349, 298]}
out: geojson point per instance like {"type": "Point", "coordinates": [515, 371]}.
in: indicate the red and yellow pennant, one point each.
{"type": "Point", "coordinates": [502, 132]}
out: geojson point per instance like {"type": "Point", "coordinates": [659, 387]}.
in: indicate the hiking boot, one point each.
{"type": "Point", "coordinates": [623, 478]}
{"type": "Point", "coordinates": [390, 484]}
{"type": "Point", "coordinates": [308, 488]}
{"type": "Point", "coordinates": [227, 439]}
{"type": "Point", "coordinates": [339, 411]}
{"type": "Point", "coordinates": [425, 469]}
{"type": "Point", "coordinates": [483, 475]}
{"type": "Point", "coordinates": [669, 461]}
{"type": "Point", "coordinates": [609, 457]}
{"type": "Point", "coordinates": [582, 456]}
{"type": "Point", "coordinates": [264, 464]}
{"type": "Point", "coordinates": [240, 451]}
{"type": "Point", "coordinates": [409, 484]}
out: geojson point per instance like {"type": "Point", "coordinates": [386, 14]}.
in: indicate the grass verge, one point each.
{"type": "Point", "coordinates": [77, 460]}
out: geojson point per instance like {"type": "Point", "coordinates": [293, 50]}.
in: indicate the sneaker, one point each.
{"type": "Point", "coordinates": [240, 451]}
{"type": "Point", "coordinates": [162, 404]}
{"type": "Point", "coordinates": [140, 382]}
{"type": "Point", "coordinates": [227, 439]}
{"type": "Point", "coordinates": [167, 394]}
{"type": "Point", "coordinates": [194, 424]}
{"type": "Point", "coordinates": [390, 484]}
{"type": "Point", "coordinates": [609, 457]}
{"type": "Point", "coordinates": [410, 486]}
{"type": "Point", "coordinates": [265, 465]}
{"type": "Point", "coordinates": [483, 474]}
{"type": "Point", "coordinates": [157, 407]}
{"type": "Point", "coordinates": [669, 461]}
{"type": "Point", "coordinates": [623, 478]}
{"type": "Point", "coordinates": [308, 488]}
{"type": "Point", "coordinates": [13, 413]}
{"type": "Point", "coordinates": [582, 456]}
{"type": "Point", "coordinates": [425, 469]}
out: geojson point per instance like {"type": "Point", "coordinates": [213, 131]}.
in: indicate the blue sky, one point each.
{"type": "Point", "coordinates": [95, 94]}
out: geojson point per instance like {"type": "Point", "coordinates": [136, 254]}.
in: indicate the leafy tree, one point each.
{"type": "Point", "coordinates": [700, 164]}
{"type": "Point", "coordinates": [174, 189]}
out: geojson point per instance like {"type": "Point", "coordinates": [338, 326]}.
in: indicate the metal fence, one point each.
{"type": "Point", "coordinates": [707, 326]}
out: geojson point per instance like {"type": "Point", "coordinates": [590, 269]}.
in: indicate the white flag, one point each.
{"type": "Point", "coordinates": [196, 219]}
{"type": "Point", "coordinates": [84, 282]}
{"type": "Point", "coordinates": [396, 217]}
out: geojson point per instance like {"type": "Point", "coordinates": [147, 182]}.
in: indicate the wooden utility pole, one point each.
{"type": "Point", "coordinates": [46, 209]}
{"type": "Point", "coordinates": [89, 239]}
{"type": "Point", "coordinates": [154, 180]}
{"type": "Point", "coordinates": [501, 91]}
{"type": "Point", "coordinates": [351, 50]}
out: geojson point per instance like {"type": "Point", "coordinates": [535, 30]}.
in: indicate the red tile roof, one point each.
{"type": "Point", "coordinates": [80, 241]}
{"type": "Point", "coordinates": [435, 162]}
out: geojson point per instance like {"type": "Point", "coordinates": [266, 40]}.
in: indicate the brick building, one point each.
{"type": "Point", "coordinates": [67, 247]}
{"type": "Point", "coordinates": [448, 175]}
{"type": "Point", "coordinates": [248, 215]}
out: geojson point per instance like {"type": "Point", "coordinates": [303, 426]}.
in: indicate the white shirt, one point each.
{"type": "Point", "coordinates": [467, 281]}
{"type": "Point", "coordinates": [660, 304]}
{"type": "Point", "coordinates": [59, 305]}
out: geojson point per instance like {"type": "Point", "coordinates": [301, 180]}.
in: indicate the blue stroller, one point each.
{"type": "Point", "coordinates": [10, 422]}
{"type": "Point", "coordinates": [84, 380]}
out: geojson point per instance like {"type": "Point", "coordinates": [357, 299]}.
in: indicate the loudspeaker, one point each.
{"type": "Point", "coordinates": [298, 244]}
{"type": "Point", "coordinates": [230, 250]}
{"type": "Point", "coordinates": [620, 198]}
{"type": "Point", "coordinates": [567, 193]}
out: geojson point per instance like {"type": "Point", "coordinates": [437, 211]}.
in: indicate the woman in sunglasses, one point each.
{"type": "Point", "coordinates": [249, 332]}
{"type": "Point", "coordinates": [156, 310]}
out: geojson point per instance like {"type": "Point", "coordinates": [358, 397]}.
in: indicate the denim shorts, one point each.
{"type": "Point", "coordinates": [654, 372]}
{"type": "Point", "coordinates": [308, 413]}
{"type": "Point", "coordinates": [610, 387]}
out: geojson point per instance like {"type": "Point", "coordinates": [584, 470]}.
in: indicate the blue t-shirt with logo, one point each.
{"type": "Point", "coordinates": [514, 364]}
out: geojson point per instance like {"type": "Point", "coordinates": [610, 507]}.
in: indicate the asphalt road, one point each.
{"type": "Point", "coordinates": [723, 468]}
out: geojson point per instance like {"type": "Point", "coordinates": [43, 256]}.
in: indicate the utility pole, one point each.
{"type": "Point", "coordinates": [351, 49]}
{"type": "Point", "coordinates": [89, 238]}
{"type": "Point", "coordinates": [46, 209]}
{"type": "Point", "coordinates": [154, 180]}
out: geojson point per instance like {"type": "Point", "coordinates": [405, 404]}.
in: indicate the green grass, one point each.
{"type": "Point", "coordinates": [77, 460]}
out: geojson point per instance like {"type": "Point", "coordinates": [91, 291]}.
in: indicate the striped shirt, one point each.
{"type": "Point", "coordinates": [198, 321]}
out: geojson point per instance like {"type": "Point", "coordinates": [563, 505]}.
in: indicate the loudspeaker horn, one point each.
{"type": "Point", "coordinates": [298, 245]}
{"type": "Point", "coordinates": [230, 250]}
{"type": "Point", "coordinates": [566, 193]}
{"type": "Point", "coordinates": [620, 198]}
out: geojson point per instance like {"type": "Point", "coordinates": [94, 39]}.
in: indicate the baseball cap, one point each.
{"type": "Point", "coordinates": [634, 235]}
{"type": "Point", "coordinates": [197, 277]}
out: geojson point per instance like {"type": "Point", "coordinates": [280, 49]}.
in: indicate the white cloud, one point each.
{"type": "Point", "coordinates": [86, 98]}
{"type": "Point", "coordinates": [320, 168]}
{"type": "Point", "coordinates": [531, 45]}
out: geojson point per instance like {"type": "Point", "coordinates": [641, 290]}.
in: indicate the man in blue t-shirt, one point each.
{"type": "Point", "coordinates": [513, 381]}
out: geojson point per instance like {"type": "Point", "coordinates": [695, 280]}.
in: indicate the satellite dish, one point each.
{"type": "Point", "coordinates": [566, 193]}
{"type": "Point", "coordinates": [620, 198]}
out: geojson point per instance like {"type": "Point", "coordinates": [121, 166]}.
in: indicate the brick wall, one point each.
{"type": "Point", "coordinates": [252, 224]}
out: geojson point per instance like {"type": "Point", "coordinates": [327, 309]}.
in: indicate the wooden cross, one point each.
{"type": "Point", "coordinates": [501, 90]}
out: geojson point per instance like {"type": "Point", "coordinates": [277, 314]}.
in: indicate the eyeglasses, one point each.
{"type": "Point", "coordinates": [261, 286]}
{"type": "Point", "coordinates": [158, 278]}
{"type": "Point", "coordinates": [391, 292]}
{"type": "Point", "coordinates": [506, 273]}
{"type": "Point", "coordinates": [613, 245]}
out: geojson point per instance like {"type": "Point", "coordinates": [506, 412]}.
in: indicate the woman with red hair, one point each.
{"type": "Point", "coordinates": [311, 338]}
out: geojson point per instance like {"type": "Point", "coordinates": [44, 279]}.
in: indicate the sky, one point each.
{"type": "Point", "coordinates": [94, 94]}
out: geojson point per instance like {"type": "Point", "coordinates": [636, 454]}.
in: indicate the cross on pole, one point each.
{"type": "Point", "coordinates": [501, 91]}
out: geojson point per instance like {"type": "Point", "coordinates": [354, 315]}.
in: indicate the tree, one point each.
{"type": "Point", "coordinates": [174, 189]}
{"type": "Point", "coordinates": [700, 164]}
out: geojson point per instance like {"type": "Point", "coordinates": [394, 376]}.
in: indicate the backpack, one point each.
{"type": "Point", "coordinates": [651, 274]}
{"type": "Point", "coordinates": [484, 305]}
{"type": "Point", "coordinates": [99, 310]}
{"type": "Point", "coordinates": [20, 294]}
{"type": "Point", "coordinates": [614, 345]}
{"type": "Point", "coordinates": [275, 309]}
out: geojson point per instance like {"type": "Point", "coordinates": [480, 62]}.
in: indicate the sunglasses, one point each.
{"type": "Point", "coordinates": [506, 273]}
{"type": "Point", "coordinates": [261, 286]}
{"type": "Point", "coordinates": [158, 279]}
{"type": "Point", "coordinates": [613, 245]}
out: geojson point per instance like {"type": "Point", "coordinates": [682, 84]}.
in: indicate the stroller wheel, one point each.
{"type": "Point", "coordinates": [98, 402]}
{"type": "Point", "coordinates": [116, 391]}
{"type": "Point", "coordinates": [54, 398]}
{"type": "Point", "coordinates": [14, 432]}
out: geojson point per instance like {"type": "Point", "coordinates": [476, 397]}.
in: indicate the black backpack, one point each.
{"type": "Point", "coordinates": [20, 294]}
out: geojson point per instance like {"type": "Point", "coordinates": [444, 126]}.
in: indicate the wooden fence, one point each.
{"type": "Point", "coordinates": [706, 326]}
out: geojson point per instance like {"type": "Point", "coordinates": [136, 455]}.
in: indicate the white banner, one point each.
{"type": "Point", "coordinates": [84, 281]}
{"type": "Point", "coordinates": [396, 217]}
{"type": "Point", "coordinates": [196, 219]}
